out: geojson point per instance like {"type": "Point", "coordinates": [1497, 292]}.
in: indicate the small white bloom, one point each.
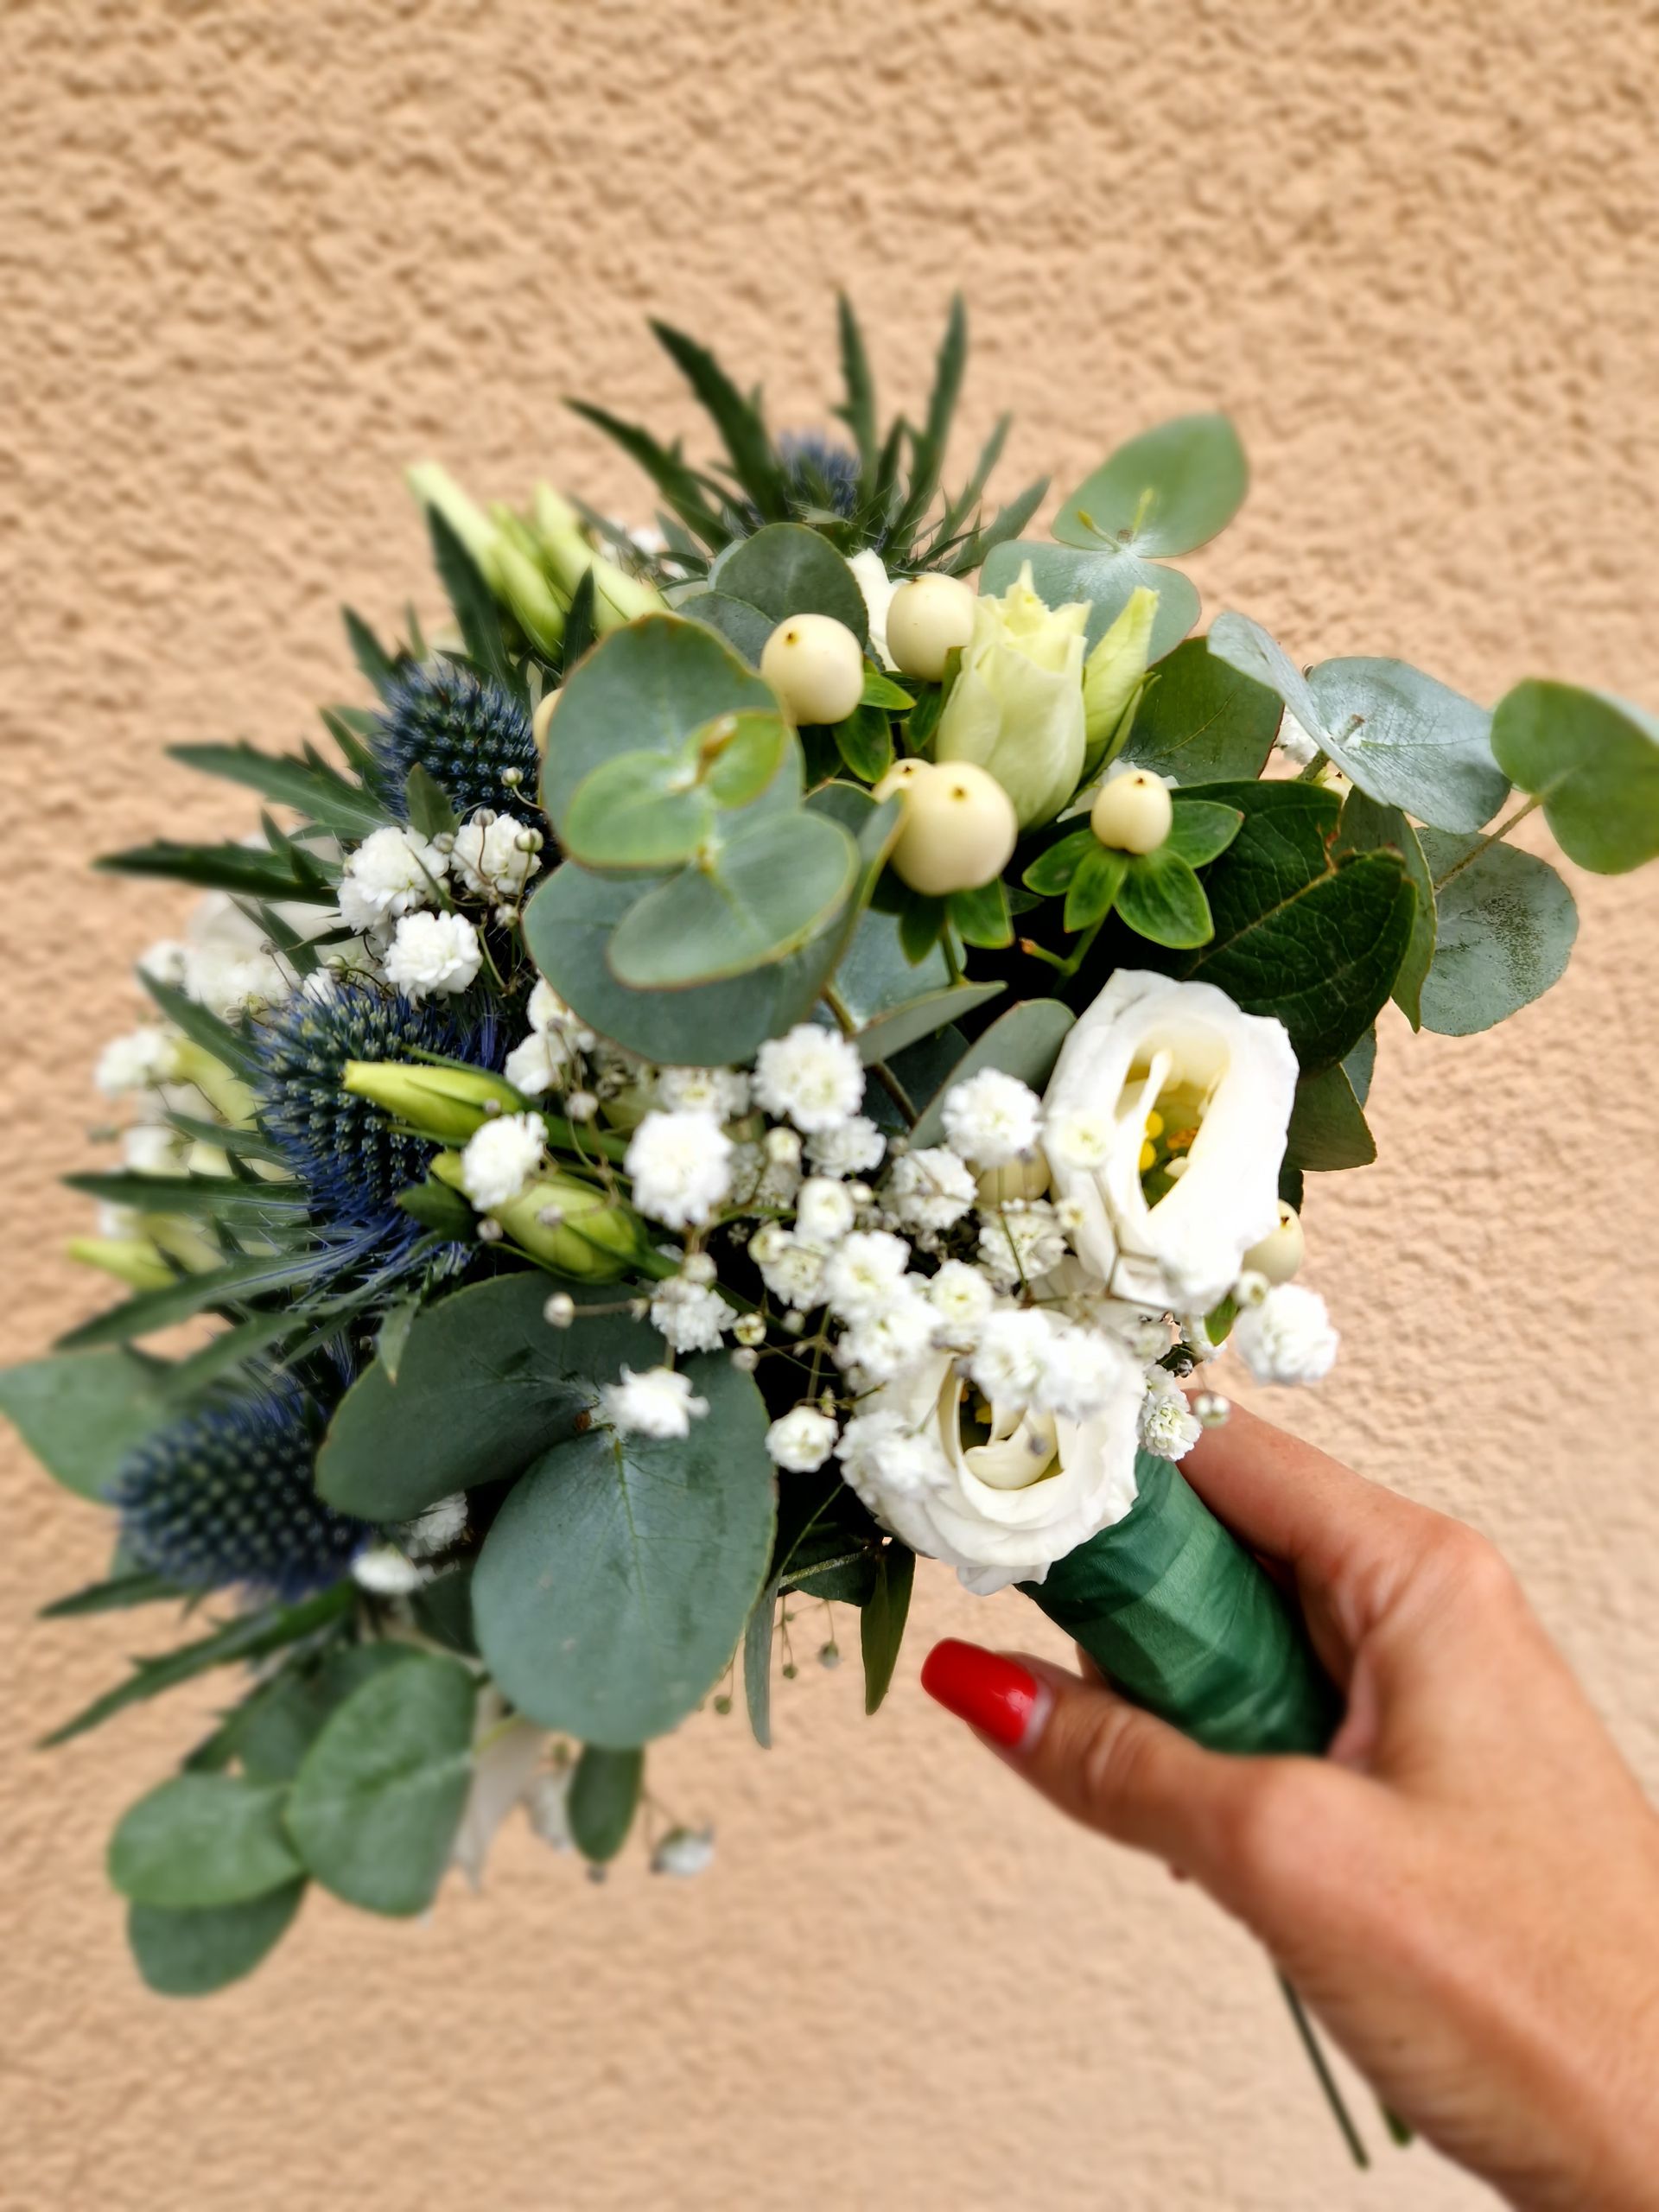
{"type": "Point", "coordinates": [1012, 1357]}
{"type": "Point", "coordinates": [1020, 1242]}
{"type": "Point", "coordinates": [684, 1853]}
{"type": "Point", "coordinates": [1294, 742]}
{"type": "Point", "coordinates": [931, 1189]}
{"type": "Point", "coordinates": [164, 962]}
{"type": "Point", "coordinates": [792, 1270]}
{"type": "Point", "coordinates": [689, 1314]}
{"type": "Point", "coordinates": [540, 1063]}
{"type": "Point", "coordinates": [893, 1337]}
{"type": "Point", "coordinates": [437, 1527]}
{"type": "Point", "coordinates": [680, 1167]}
{"type": "Point", "coordinates": [433, 952]}
{"type": "Point", "coordinates": [1169, 1428]}
{"type": "Point", "coordinates": [759, 1180]}
{"type": "Point", "coordinates": [811, 1077]}
{"type": "Point", "coordinates": [659, 1402]}
{"type": "Point", "coordinates": [500, 1157]}
{"type": "Point", "coordinates": [1251, 1287]}
{"type": "Point", "coordinates": [699, 1267]}
{"type": "Point", "coordinates": [496, 854]}
{"type": "Point", "coordinates": [141, 1061]}
{"type": "Point", "coordinates": [992, 1119]}
{"type": "Point", "coordinates": [864, 1272]}
{"type": "Point", "coordinates": [801, 1440]}
{"type": "Point", "coordinates": [723, 1092]}
{"type": "Point", "coordinates": [1287, 1337]}
{"type": "Point", "coordinates": [877, 588]}
{"type": "Point", "coordinates": [961, 1298]}
{"type": "Point", "coordinates": [151, 1148]}
{"type": "Point", "coordinates": [824, 1211]}
{"type": "Point", "coordinates": [229, 964]}
{"type": "Point", "coordinates": [386, 1572]}
{"type": "Point", "coordinates": [882, 1454]}
{"type": "Point", "coordinates": [1211, 1409]}
{"type": "Point", "coordinates": [783, 1148]}
{"type": "Point", "coordinates": [392, 872]}
{"type": "Point", "coordinates": [1081, 1139]}
{"type": "Point", "coordinates": [853, 1147]}
{"type": "Point", "coordinates": [547, 1010]}
{"type": "Point", "coordinates": [547, 1807]}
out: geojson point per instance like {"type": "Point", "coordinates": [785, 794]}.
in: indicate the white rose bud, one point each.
{"type": "Point", "coordinates": [930, 618]}
{"type": "Point", "coordinates": [816, 665]}
{"type": "Point", "coordinates": [1132, 813]}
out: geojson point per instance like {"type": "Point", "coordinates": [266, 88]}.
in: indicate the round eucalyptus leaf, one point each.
{"type": "Point", "coordinates": [617, 1578]}
{"type": "Point", "coordinates": [766, 890]}
{"type": "Point", "coordinates": [80, 1413]}
{"type": "Point", "coordinates": [789, 568]}
{"type": "Point", "coordinates": [1244, 646]}
{"type": "Point", "coordinates": [1506, 925]}
{"type": "Point", "coordinates": [741, 755]}
{"type": "Point", "coordinates": [638, 811]}
{"type": "Point", "coordinates": [1061, 574]}
{"type": "Point", "coordinates": [739, 624]}
{"type": "Point", "coordinates": [1168, 490]}
{"type": "Point", "coordinates": [1203, 721]}
{"type": "Point", "coordinates": [1365, 827]}
{"type": "Point", "coordinates": [1593, 760]}
{"type": "Point", "coordinates": [191, 1952]}
{"type": "Point", "coordinates": [1409, 741]}
{"type": "Point", "coordinates": [202, 1839]}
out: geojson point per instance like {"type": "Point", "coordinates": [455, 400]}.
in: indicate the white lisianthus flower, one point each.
{"type": "Point", "coordinates": [865, 1273]}
{"type": "Point", "coordinates": [501, 1157]}
{"type": "Point", "coordinates": [1169, 1428]}
{"type": "Point", "coordinates": [962, 1299]}
{"type": "Point", "coordinates": [992, 1119]}
{"type": "Point", "coordinates": [824, 1211]}
{"type": "Point", "coordinates": [812, 1078]}
{"type": "Point", "coordinates": [143, 1059]}
{"type": "Point", "coordinates": [931, 1189]}
{"type": "Point", "coordinates": [1287, 1335]}
{"type": "Point", "coordinates": [684, 1853]}
{"type": "Point", "coordinates": [1016, 708]}
{"type": "Point", "coordinates": [496, 854]}
{"type": "Point", "coordinates": [801, 1440]}
{"type": "Point", "coordinates": [723, 1092]}
{"type": "Point", "coordinates": [1020, 1242]}
{"type": "Point", "coordinates": [877, 588]}
{"type": "Point", "coordinates": [659, 1402]}
{"type": "Point", "coordinates": [1001, 1506]}
{"type": "Point", "coordinates": [1219, 1085]}
{"type": "Point", "coordinates": [690, 1315]}
{"type": "Point", "coordinates": [680, 1167]}
{"type": "Point", "coordinates": [433, 953]}
{"type": "Point", "coordinates": [540, 1063]}
{"type": "Point", "coordinates": [852, 1147]}
{"type": "Point", "coordinates": [392, 872]}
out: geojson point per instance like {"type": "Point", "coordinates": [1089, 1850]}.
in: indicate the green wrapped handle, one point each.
{"type": "Point", "coordinates": [1180, 1618]}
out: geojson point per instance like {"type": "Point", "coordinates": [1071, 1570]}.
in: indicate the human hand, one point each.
{"type": "Point", "coordinates": [1466, 1890]}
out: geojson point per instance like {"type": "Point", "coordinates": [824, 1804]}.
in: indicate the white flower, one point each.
{"type": "Point", "coordinates": [758, 1180]}
{"type": "Point", "coordinates": [229, 965]}
{"type": "Point", "coordinates": [141, 1061]}
{"type": "Point", "coordinates": [506, 1755]}
{"type": "Point", "coordinates": [891, 1339]}
{"type": "Point", "coordinates": [1081, 1139]}
{"type": "Point", "coordinates": [1294, 742]}
{"type": "Point", "coordinates": [1169, 1428]}
{"type": "Point", "coordinates": [548, 1011]}
{"type": "Point", "coordinates": [723, 1092]}
{"type": "Point", "coordinates": [999, 1506]}
{"type": "Point", "coordinates": [433, 952]}
{"type": "Point", "coordinates": [961, 1298]}
{"type": "Point", "coordinates": [1287, 1337]}
{"type": "Point", "coordinates": [824, 1211]}
{"type": "Point", "coordinates": [151, 1148]}
{"type": "Point", "coordinates": [547, 1807]}
{"type": "Point", "coordinates": [659, 1402]}
{"type": "Point", "coordinates": [496, 854]}
{"type": "Point", "coordinates": [500, 1157]}
{"type": "Point", "coordinates": [437, 1527]}
{"type": "Point", "coordinates": [689, 1314]}
{"type": "Point", "coordinates": [540, 1063]}
{"type": "Point", "coordinates": [1221, 1084]}
{"type": "Point", "coordinates": [853, 1147]}
{"type": "Point", "coordinates": [1026, 1357]}
{"type": "Point", "coordinates": [684, 1853]}
{"type": "Point", "coordinates": [392, 872]}
{"type": "Point", "coordinates": [811, 1077]}
{"type": "Point", "coordinates": [864, 1273]}
{"type": "Point", "coordinates": [163, 963]}
{"type": "Point", "coordinates": [992, 1119]}
{"type": "Point", "coordinates": [1020, 1242]}
{"type": "Point", "coordinates": [877, 587]}
{"type": "Point", "coordinates": [931, 1189]}
{"type": "Point", "coordinates": [387, 1572]}
{"type": "Point", "coordinates": [790, 1269]}
{"type": "Point", "coordinates": [680, 1167]}
{"type": "Point", "coordinates": [801, 1440]}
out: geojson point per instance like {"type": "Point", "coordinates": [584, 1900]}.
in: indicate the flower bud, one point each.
{"type": "Point", "coordinates": [449, 1102]}
{"type": "Point", "coordinates": [228, 1095]}
{"type": "Point", "coordinates": [958, 832]}
{"type": "Point", "coordinates": [596, 1240]}
{"type": "Point", "coordinates": [1016, 707]}
{"type": "Point", "coordinates": [1279, 1256]}
{"type": "Point", "coordinates": [528, 592]}
{"type": "Point", "coordinates": [1019, 1181]}
{"type": "Point", "coordinates": [749, 1329]}
{"type": "Point", "coordinates": [929, 618]}
{"type": "Point", "coordinates": [435, 487]}
{"type": "Point", "coordinates": [1132, 813]}
{"type": "Point", "coordinates": [563, 544]}
{"type": "Point", "coordinates": [1112, 675]}
{"type": "Point", "coordinates": [816, 666]}
{"type": "Point", "coordinates": [131, 1260]}
{"type": "Point", "coordinates": [560, 1310]}
{"type": "Point", "coordinates": [541, 718]}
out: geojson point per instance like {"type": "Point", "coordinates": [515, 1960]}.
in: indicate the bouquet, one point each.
{"type": "Point", "coordinates": [773, 1044]}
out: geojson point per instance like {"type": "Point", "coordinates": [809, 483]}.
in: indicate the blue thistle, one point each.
{"type": "Point", "coordinates": [821, 471]}
{"type": "Point", "coordinates": [225, 1496]}
{"type": "Point", "coordinates": [469, 735]}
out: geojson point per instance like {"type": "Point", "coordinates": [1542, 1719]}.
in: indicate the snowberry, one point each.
{"type": "Point", "coordinates": [816, 665]}
{"type": "Point", "coordinates": [958, 831]}
{"type": "Point", "coordinates": [1132, 813]}
{"type": "Point", "coordinates": [1279, 1256]}
{"type": "Point", "coordinates": [930, 617]}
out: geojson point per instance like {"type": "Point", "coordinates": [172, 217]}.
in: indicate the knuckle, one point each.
{"type": "Point", "coordinates": [1111, 1765]}
{"type": "Point", "coordinates": [1478, 1571]}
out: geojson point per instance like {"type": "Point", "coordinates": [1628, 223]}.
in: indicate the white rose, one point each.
{"type": "Point", "coordinates": [1005, 1508]}
{"type": "Point", "coordinates": [1185, 1053]}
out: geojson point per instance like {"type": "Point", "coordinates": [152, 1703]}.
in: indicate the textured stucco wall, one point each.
{"type": "Point", "coordinates": [252, 260]}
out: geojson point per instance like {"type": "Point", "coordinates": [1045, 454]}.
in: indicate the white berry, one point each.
{"type": "Point", "coordinates": [930, 618]}
{"type": "Point", "coordinates": [958, 831]}
{"type": "Point", "coordinates": [816, 665]}
{"type": "Point", "coordinates": [1132, 813]}
{"type": "Point", "coordinates": [1279, 1255]}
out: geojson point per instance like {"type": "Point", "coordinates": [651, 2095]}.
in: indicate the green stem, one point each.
{"type": "Point", "coordinates": [603, 1141]}
{"type": "Point", "coordinates": [1314, 772]}
{"type": "Point", "coordinates": [1491, 838]}
{"type": "Point", "coordinates": [1326, 2080]}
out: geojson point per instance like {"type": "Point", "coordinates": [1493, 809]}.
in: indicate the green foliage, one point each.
{"type": "Point", "coordinates": [1200, 831]}
{"type": "Point", "coordinates": [980, 917]}
{"type": "Point", "coordinates": [81, 1412]}
{"type": "Point", "coordinates": [604, 1798]}
{"type": "Point", "coordinates": [1507, 923]}
{"type": "Point", "coordinates": [787, 569]}
{"type": "Point", "coordinates": [192, 1951]}
{"type": "Point", "coordinates": [1367, 827]}
{"type": "Point", "coordinates": [1025, 1042]}
{"type": "Point", "coordinates": [1161, 900]}
{"type": "Point", "coordinates": [1093, 884]}
{"type": "Point", "coordinates": [1201, 721]}
{"type": "Point", "coordinates": [275, 1727]}
{"type": "Point", "coordinates": [1327, 1125]}
{"type": "Point", "coordinates": [113, 1595]}
{"type": "Point", "coordinates": [309, 785]}
{"type": "Point", "coordinates": [1061, 574]}
{"type": "Point", "coordinates": [202, 1839]}
{"type": "Point", "coordinates": [477, 615]}
{"type": "Point", "coordinates": [292, 875]}
{"type": "Point", "coordinates": [1168, 490]}
{"type": "Point", "coordinates": [650, 811]}
{"type": "Point", "coordinates": [881, 1623]}
{"type": "Point", "coordinates": [864, 739]}
{"type": "Point", "coordinates": [1592, 761]}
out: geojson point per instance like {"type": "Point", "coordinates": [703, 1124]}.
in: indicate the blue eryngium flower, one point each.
{"type": "Point", "coordinates": [820, 472]}
{"type": "Point", "coordinates": [470, 734]}
{"type": "Point", "coordinates": [225, 1496]}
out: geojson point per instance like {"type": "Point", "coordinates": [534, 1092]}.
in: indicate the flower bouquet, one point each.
{"type": "Point", "coordinates": [774, 1044]}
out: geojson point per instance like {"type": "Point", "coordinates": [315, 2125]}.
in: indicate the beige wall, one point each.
{"type": "Point", "coordinates": [252, 259]}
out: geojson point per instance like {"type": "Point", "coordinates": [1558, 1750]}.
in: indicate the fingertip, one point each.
{"type": "Point", "coordinates": [1003, 1699]}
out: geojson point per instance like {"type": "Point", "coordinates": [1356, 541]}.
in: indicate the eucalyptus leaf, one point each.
{"type": "Point", "coordinates": [1108, 582]}
{"type": "Point", "coordinates": [81, 1412]}
{"type": "Point", "coordinates": [1409, 741]}
{"type": "Point", "coordinates": [766, 890]}
{"type": "Point", "coordinates": [191, 1952]}
{"type": "Point", "coordinates": [1025, 1042]}
{"type": "Point", "coordinates": [1203, 721]}
{"type": "Point", "coordinates": [890, 1033]}
{"type": "Point", "coordinates": [275, 1727]}
{"type": "Point", "coordinates": [789, 568]}
{"type": "Point", "coordinates": [1168, 490]}
{"type": "Point", "coordinates": [1593, 762]}
{"type": "Point", "coordinates": [734, 619]}
{"type": "Point", "coordinates": [1506, 926]}
{"type": "Point", "coordinates": [202, 1839]}
{"type": "Point", "coordinates": [604, 1797]}
{"type": "Point", "coordinates": [638, 811]}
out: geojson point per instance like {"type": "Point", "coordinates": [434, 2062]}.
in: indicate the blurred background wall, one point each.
{"type": "Point", "coordinates": [253, 261]}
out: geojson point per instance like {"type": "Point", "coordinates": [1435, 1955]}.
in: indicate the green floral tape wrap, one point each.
{"type": "Point", "coordinates": [1180, 1618]}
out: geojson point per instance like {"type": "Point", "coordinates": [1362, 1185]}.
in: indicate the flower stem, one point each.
{"type": "Point", "coordinates": [1326, 2080]}
{"type": "Point", "coordinates": [1314, 772]}
{"type": "Point", "coordinates": [1489, 839]}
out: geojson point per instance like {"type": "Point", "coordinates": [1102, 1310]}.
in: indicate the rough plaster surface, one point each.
{"type": "Point", "coordinates": [251, 261]}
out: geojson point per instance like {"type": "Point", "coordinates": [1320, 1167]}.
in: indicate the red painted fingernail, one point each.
{"type": "Point", "coordinates": [995, 1695]}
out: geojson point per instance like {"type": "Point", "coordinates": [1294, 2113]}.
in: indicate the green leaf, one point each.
{"type": "Point", "coordinates": [858, 412]}
{"type": "Point", "coordinates": [1241, 644]}
{"type": "Point", "coordinates": [379, 1794]}
{"type": "Point", "coordinates": [1107, 581]}
{"type": "Point", "coordinates": [757, 1663]}
{"type": "Point", "coordinates": [1366, 827]}
{"type": "Point", "coordinates": [770, 887]}
{"type": "Point", "coordinates": [738, 420]}
{"type": "Point", "coordinates": [604, 1797]}
{"type": "Point", "coordinates": [980, 917]}
{"type": "Point", "coordinates": [619, 1574]}
{"type": "Point", "coordinates": [927, 450]}
{"type": "Point", "coordinates": [684, 489]}
{"type": "Point", "coordinates": [228, 1195]}
{"type": "Point", "coordinates": [430, 814]}
{"type": "Point", "coordinates": [185, 1952]}
{"type": "Point", "coordinates": [81, 1412]}
{"type": "Point", "coordinates": [1025, 1041]}
{"type": "Point", "coordinates": [309, 786]}
{"type": "Point", "coordinates": [243, 869]}
{"type": "Point", "coordinates": [232, 1048]}
{"type": "Point", "coordinates": [1201, 721]}
{"type": "Point", "coordinates": [274, 1728]}
{"type": "Point", "coordinates": [864, 740]}
{"type": "Point", "coordinates": [1409, 741]}
{"type": "Point", "coordinates": [477, 616]}
{"type": "Point", "coordinates": [202, 1839]}
{"type": "Point", "coordinates": [734, 619]}
{"type": "Point", "coordinates": [1096, 882]}
{"type": "Point", "coordinates": [393, 1333]}
{"type": "Point", "coordinates": [891, 1033]}
{"type": "Point", "coordinates": [921, 924]}
{"type": "Point", "coordinates": [1327, 1126]}
{"type": "Point", "coordinates": [178, 1301]}
{"type": "Point", "coordinates": [1051, 872]}
{"type": "Point", "coordinates": [1168, 490]}
{"type": "Point", "coordinates": [1200, 830]}
{"type": "Point", "coordinates": [486, 1385]}
{"type": "Point", "coordinates": [638, 811]}
{"type": "Point", "coordinates": [881, 1624]}
{"type": "Point", "coordinates": [1162, 899]}
{"type": "Point", "coordinates": [438, 1208]}
{"type": "Point", "coordinates": [1507, 923]}
{"type": "Point", "coordinates": [115, 1595]}
{"type": "Point", "coordinates": [379, 668]}
{"type": "Point", "coordinates": [1593, 760]}
{"type": "Point", "coordinates": [790, 568]}
{"type": "Point", "coordinates": [1360, 1065]}
{"type": "Point", "coordinates": [881, 691]}
{"type": "Point", "coordinates": [876, 978]}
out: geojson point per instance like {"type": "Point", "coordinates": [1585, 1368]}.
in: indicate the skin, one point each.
{"type": "Point", "coordinates": [1466, 1890]}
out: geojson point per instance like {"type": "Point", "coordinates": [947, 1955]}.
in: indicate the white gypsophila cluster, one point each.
{"type": "Point", "coordinates": [853, 1147]}
{"type": "Point", "coordinates": [930, 1190]}
{"type": "Point", "coordinates": [500, 1157]}
{"type": "Point", "coordinates": [659, 1402]}
{"type": "Point", "coordinates": [152, 1148]}
{"type": "Point", "coordinates": [993, 1119]}
{"type": "Point", "coordinates": [963, 1299]}
{"type": "Point", "coordinates": [496, 854]}
{"type": "Point", "coordinates": [683, 1853]}
{"type": "Point", "coordinates": [1020, 1242]}
{"type": "Point", "coordinates": [679, 1165]}
{"type": "Point", "coordinates": [690, 1315]}
{"type": "Point", "coordinates": [824, 1211]}
{"type": "Point", "coordinates": [1168, 1427]}
{"type": "Point", "coordinates": [552, 1053]}
{"type": "Point", "coordinates": [433, 954]}
{"type": "Point", "coordinates": [811, 1077]}
{"type": "Point", "coordinates": [143, 1059]}
{"type": "Point", "coordinates": [1294, 742]}
{"type": "Point", "coordinates": [801, 1440]}
{"type": "Point", "coordinates": [884, 1456]}
{"type": "Point", "coordinates": [1287, 1335]}
{"type": "Point", "coordinates": [791, 1266]}
{"type": "Point", "coordinates": [865, 1272]}
{"type": "Point", "coordinates": [1026, 1357]}
{"type": "Point", "coordinates": [385, 1572]}
{"type": "Point", "coordinates": [763, 1178]}
{"type": "Point", "coordinates": [442, 1523]}
{"type": "Point", "coordinates": [392, 872]}
{"type": "Point", "coordinates": [892, 1338]}
{"type": "Point", "coordinates": [723, 1092]}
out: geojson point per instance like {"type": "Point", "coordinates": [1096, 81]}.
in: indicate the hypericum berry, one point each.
{"type": "Point", "coordinates": [816, 665]}
{"type": "Point", "coordinates": [1132, 813]}
{"type": "Point", "coordinates": [1280, 1254]}
{"type": "Point", "coordinates": [958, 831]}
{"type": "Point", "coordinates": [540, 721]}
{"type": "Point", "coordinates": [903, 776]}
{"type": "Point", "coordinates": [931, 616]}
{"type": "Point", "coordinates": [1020, 1179]}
